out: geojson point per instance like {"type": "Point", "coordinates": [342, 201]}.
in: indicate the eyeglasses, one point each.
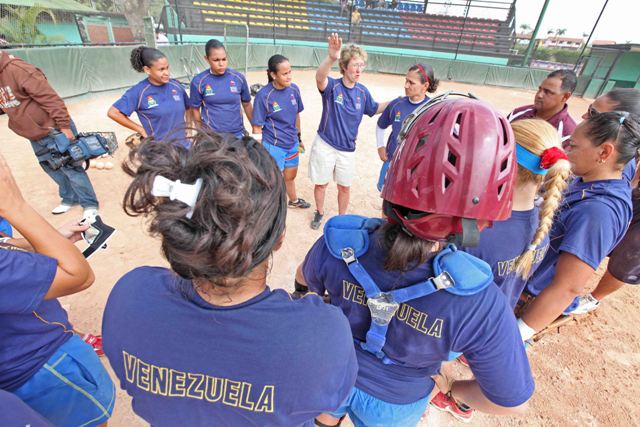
{"type": "Point", "coordinates": [592, 111]}
{"type": "Point", "coordinates": [358, 66]}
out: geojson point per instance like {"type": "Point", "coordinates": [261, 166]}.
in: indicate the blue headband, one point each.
{"type": "Point", "coordinates": [529, 161]}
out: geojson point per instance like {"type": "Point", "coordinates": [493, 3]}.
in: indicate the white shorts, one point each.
{"type": "Point", "coordinates": [325, 161]}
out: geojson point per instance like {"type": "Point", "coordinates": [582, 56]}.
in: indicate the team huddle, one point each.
{"type": "Point", "coordinates": [491, 226]}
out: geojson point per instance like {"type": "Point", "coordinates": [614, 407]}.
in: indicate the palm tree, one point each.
{"type": "Point", "coordinates": [525, 28]}
{"type": "Point", "coordinates": [19, 24]}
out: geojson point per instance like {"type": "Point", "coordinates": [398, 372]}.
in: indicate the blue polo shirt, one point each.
{"type": "Point", "coordinates": [160, 109]}
{"type": "Point", "coordinates": [501, 246]}
{"type": "Point", "coordinates": [276, 111]}
{"type": "Point", "coordinates": [592, 218]}
{"type": "Point", "coordinates": [424, 331]}
{"type": "Point", "coordinates": [219, 99]}
{"type": "Point", "coordinates": [269, 361]}
{"type": "Point", "coordinates": [31, 329]}
{"type": "Point", "coordinates": [393, 116]}
{"type": "Point", "coordinates": [342, 111]}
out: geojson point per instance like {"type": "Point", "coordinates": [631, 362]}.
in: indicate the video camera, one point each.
{"type": "Point", "coordinates": [88, 145]}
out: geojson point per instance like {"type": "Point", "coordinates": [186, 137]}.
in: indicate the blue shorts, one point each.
{"type": "Point", "coordinates": [367, 411]}
{"type": "Point", "coordinates": [285, 159]}
{"type": "Point", "coordinates": [72, 388]}
{"type": "Point", "coordinates": [383, 174]}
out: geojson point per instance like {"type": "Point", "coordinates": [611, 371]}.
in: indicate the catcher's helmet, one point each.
{"type": "Point", "coordinates": [454, 168]}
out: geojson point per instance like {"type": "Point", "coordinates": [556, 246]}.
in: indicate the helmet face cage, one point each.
{"type": "Point", "coordinates": [456, 160]}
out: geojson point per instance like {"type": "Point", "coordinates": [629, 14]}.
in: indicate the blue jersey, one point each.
{"type": "Point", "coordinates": [342, 111]}
{"type": "Point", "coordinates": [393, 116]}
{"type": "Point", "coordinates": [31, 329]}
{"type": "Point", "coordinates": [592, 218]}
{"type": "Point", "coordinates": [424, 331]}
{"type": "Point", "coordinates": [629, 170]}
{"type": "Point", "coordinates": [276, 111]}
{"type": "Point", "coordinates": [15, 413]}
{"type": "Point", "coordinates": [268, 361]}
{"type": "Point", "coordinates": [501, 246]}
{"type": "Point", "coordinates": [219, 99]}
{"type": "Point", "coordinates": [160, 109]}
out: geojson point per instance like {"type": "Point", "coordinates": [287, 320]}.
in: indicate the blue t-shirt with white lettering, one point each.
{"type": "Point", "coordinates": [276, 111]}
{"type": "Point", "coordinates": [501, 246]}
{"type": "Point", "coordinates": [424, 331]}
{"type": "Point", "coordinates": [160, 109]}
{"type": "Point", "coordinates": [393, 116]}
{"type": "Point", "coordinates": [15, 413]}
{"type": "Point", "coordinates": [591, 220]}
{"type": "Point", "coordinates": [270, 361]}
{"type": "Point", "coordinates": [31, 329]}
{"type": "Point", "coordinates": [342, 111]}
{"type": "Point", "coordinates": [219, 99]}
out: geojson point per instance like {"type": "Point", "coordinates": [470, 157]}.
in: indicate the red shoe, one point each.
{"type": "Point", "coordinates": [94, 341]}
{"type": "Point", "coordinates": [447, 404]}
{"type": "Point", "coordinates": [463, 360]}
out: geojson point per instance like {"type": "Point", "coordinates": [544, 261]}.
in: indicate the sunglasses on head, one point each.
{"type": "Point", "coordinates": [592, 111]}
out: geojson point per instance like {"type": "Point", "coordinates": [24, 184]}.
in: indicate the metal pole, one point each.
{"type": "Point", "coordinates": [464, 23]}
{"type": "Point", "coordinates": [532, 42]}
{"type": "Point", "coordinates": [426, 3]}
{"type": "Point", "coordinates": [590, 35]}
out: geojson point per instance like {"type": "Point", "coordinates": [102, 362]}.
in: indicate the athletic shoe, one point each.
{"type": "Point", "coordinates": [463, 360]}
{"type": "Point", "coordinates": [61, 208]}
{"type": "Point", "coordinates": [586, 305]}
{"type": "Point", "coordinates": [94, 341]}
{"type": "Point", "coordinates": [96, 236]}
{"type": "Point", "coordinates": [317, 219]}
{"type": "Point", "coordinates": [444, 403]}
{"type": "Point", "coordinates": [300, 203]}
{"type": "Point", "coordinates": [90, 214]}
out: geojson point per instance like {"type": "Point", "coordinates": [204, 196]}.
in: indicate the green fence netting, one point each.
{"type": "Point", "coordinates": [79, 70]}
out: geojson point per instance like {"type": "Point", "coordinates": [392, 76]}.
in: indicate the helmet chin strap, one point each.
{"type": "Point", "coordinates": [470, 236]}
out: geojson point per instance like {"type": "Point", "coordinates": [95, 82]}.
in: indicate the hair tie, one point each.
{"type": "Point", "coordinates": [176, 190]}
{"type": "Point", "coordinates": [532, 247]}
{"type": "Point", "coordinates": [623, 116]}
{"type": "Point", "coordinates": [550, 156]}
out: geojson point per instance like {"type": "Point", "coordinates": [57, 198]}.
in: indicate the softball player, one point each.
{"type": "Point", "coordinates": [276, 122]}
{"type": "Point", "coordinates": [375, 270]}
{"type": "Point", "coordinates": [42, 361]}
{"type": "Point", "coordinates": [207, 341]}
{"type": "Point", "coordinates": [217, 93]}
{"type": "Point", "coordinates": [592, 219]}
{"type": "Point", "coordinates": [160, 102]}
{"type": "Point", "coordinates": [418, 82]}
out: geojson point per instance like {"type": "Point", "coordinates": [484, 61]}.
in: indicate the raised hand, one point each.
{"type": "Point", "coordinates": [335, 44]}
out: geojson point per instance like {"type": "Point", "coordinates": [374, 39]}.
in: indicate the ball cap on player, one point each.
{"type": "Point", "coordinates": [453, 172]}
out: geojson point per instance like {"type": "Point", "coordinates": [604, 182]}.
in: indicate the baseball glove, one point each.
{"type": "Point", "coordinates": [133, 140]}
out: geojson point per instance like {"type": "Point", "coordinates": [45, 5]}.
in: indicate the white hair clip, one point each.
{"type": "Point", "coordinates": [176, 190]}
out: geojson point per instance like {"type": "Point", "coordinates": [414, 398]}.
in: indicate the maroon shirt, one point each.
{"type": "Point", "coordinates": [562, 121]}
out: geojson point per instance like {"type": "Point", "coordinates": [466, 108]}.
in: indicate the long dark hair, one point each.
{"type": "Point", "coordinates": [143, 56]}
{"type": "Point", "coordinates": [272, 65]}
{"type": "Point", "coordinates": [240, 213]}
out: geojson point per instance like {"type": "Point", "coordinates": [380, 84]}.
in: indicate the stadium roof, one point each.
{"type": "Point", "coordinates": [65, 5]}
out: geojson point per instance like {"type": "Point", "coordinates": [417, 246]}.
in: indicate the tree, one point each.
{"type": "Point", "coordinates": [525, 28]}
{"type": "Point", "coordinates": [134, 11]}
{"type": "Point", "coordinates": [19, 24]}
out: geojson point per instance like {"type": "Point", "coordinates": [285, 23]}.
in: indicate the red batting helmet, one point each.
{"type": "Point", "coordinates": [454, 169]}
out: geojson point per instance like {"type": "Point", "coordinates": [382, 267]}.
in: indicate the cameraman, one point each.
{"type": "Point", "coordinates": [37, 112]}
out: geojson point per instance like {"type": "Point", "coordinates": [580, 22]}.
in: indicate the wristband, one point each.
{"type": "Point", "coordinates": [299, 287]}
{"type": "Point", "coordinates": [257, 137]}
{"type": "Point", "coordinates": [526, 331]}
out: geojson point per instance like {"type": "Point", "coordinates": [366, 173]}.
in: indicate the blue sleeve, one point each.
{"type": "Point", "coordinates": [299, 99]}
{"type": "Point", "coordinates": [331, 82]}
{"type": "Point", "coordinates": [128, 103]}
{"type": "Point", "coordinates": [195, 97]}
{"type": "Point", "coordinates": [185, 98]}
{"type": "Point", "coordinates": [259, 110]}
{"type": "Point", "coordinates": [386, 118]}
{"type": "Point", "coordinates": [497, 356]}
{"type": "Point", "coordinates": [26, 278]}
{"type": "Point", "coordinates": [245, 93]}
{"type": "Point", "coordinates": [629, 170]}
{"type": "Point", "coordinates": [370, 106]}
{"type": "Point", "coordinates": [589, 233]}
{"type": "Point", "coordinates": [311, 264]}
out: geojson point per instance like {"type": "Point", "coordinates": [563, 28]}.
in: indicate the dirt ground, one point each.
{"type": "Point", "coordinates": [588, 374]}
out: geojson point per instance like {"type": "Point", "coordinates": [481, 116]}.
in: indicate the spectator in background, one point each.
{"type": "Point", "coordinates": [161, 38]}
{"type": "Point", "coordinates": [550, 103]}
{"type": "Point", "coordinates": [343, 7]}
{"type": "Point", "coordinates": [394, 4]}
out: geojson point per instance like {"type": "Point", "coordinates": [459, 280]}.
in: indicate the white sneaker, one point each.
{"type": "Point", "coordinates": [89, 215]}
{"type": "Point", "coordinates": [61, 208]}
{"type": "Point", "coordinates": [586, 305]}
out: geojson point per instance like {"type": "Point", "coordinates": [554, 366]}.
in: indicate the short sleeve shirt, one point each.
{"type": "Point", "coordinates": [342, 111]}
{"type": "Point", "coordinates": [276, 111]}
{"type": "Point", "coordinates": [562, 121]}
{"type": "Point", "coordinates": [394, 116]}
{"type": "Point", "coordinates": [219, 99]}
{"type": "Point", "coordinates": [160, 109]}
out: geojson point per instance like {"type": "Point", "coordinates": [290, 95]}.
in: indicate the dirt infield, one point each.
{"type": "Point", "coordinates": [588, 374]}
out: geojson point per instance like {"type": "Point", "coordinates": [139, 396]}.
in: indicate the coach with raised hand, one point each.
{"type": "Point", "coordinates": [344, 102]}
{"type": "Point", "coordinates": [37, 112]}
{"type": "Point", "coordinates": [550, 103]}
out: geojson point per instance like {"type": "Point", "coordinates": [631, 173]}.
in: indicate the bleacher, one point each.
{"type": "Point", "coordinates": [405, 27]}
